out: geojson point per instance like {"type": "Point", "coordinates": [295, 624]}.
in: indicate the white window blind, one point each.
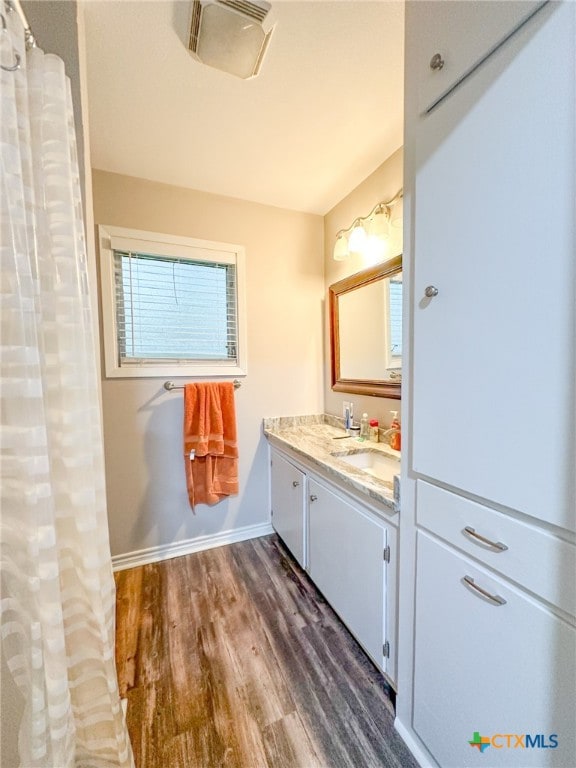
{"type": "Point", "coordinates": [171, 305]}
{"type": "Point", "coordinates": [173, 309]}
{"type": "Point", "coordinates": [396, 317]}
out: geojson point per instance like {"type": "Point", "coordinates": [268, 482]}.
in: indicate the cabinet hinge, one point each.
{"type": "Point", "coordinates": [387, 553]}
{"type": "Point", "coordinates": [386, 649]}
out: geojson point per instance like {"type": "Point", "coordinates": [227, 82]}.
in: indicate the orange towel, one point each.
{"type": "Point", "coordinates": [210, 431]}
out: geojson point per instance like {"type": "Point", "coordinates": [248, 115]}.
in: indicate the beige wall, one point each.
{"type": "Point", "coordinates": [147, 501]}
{"type": "Point", "coordinates": [380, 185]}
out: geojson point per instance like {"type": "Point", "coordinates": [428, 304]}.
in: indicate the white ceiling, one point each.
{"type": "Point", "coordinates": [324, 112]}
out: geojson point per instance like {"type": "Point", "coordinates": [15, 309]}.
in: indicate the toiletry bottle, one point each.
{"type": "Point", "coordinates": [395, 437]}
{"type": "Point", "coordinates": [364, 427]}
{"type": "Point", "coordinates": [374, 430]}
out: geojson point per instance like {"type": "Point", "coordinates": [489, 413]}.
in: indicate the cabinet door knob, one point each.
{"type": "Point", "coordinates": [430, 291]}
{"type": "Point", "coordinates": [436, 62]}
{"type": "Point", "coordinates": [313, 497]}
{"type": "Point", "coordinates": [295, 483]}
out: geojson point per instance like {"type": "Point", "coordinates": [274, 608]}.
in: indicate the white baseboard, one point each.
{"type": "Point", "coordinates": [420, 754]}
{"type": "Point", "coordinates": [188, 546]}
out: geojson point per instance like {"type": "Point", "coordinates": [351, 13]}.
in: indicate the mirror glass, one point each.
{"type": "Point", "coordinates": [366, 331]}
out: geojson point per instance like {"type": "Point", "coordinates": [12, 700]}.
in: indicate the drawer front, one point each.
{"type": "Point", "coordinates": [540, 562]}
{"type": "Point", "coordinates": [496, 666]}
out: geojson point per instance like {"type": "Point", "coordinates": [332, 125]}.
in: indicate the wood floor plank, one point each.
{"type": "Point", "coordinates": [226, 714]}
{"type": "Point", "coordinates": [150, 722]}
{"type": "Point", "coordinates": [267, 692]}
{"type": "Point", "coordinates": [182, 644]}
{"type": "Point", "coordinates": [288, 744]}
{"type": "Point", "coordinates": [128, 601]}
{"type": "Point", "coordinates": [267, 567]}
{"type": "Point", "coordinates": [231, 658]}
{"type": "Point", "coordinates": [152, 660]}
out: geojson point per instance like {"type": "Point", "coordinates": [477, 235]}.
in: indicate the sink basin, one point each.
{"type": "Point", "coordinates": [372, 462]}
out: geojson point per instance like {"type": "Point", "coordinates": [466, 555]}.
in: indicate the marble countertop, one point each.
{"type": "Point", "coordinates": [313, 438]}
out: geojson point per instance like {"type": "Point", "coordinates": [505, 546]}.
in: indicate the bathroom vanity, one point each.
{"type": "Point", "coordinates": [333, 504]}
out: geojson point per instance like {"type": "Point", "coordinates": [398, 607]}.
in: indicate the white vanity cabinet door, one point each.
{"type": "Point", "coordinates": [487, 668]}
{"type": "Point", "coordinates": [462, 34]}
{"type": "Point", "coordinates": [288, 489]}
{"type": "Point", "coordinates": [493, 365]}
{"type": "Point", "coordinates": [346, 562]}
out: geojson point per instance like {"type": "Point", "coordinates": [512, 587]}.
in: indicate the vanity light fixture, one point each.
{"type": "Point", "coordinates": [367, 234]}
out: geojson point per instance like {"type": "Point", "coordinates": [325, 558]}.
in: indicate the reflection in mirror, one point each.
{"type": "Point", "coordinates": [366, 331]}
{"type": "Point", "coordinates": [364, 352]}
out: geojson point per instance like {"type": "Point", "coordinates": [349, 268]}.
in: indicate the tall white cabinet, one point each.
{"type": "Point", "coordinates": [493, 361]}
{"type": "Point", "coordinates": [487, 637]}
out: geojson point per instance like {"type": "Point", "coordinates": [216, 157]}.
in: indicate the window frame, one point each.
{"type": "Point", "coordinates": [113, 238]}
{"type": "Point", "coordinates": [393, 360]}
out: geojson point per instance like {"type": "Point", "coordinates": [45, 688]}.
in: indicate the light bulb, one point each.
{"type": "Point", "coordinates": [378, 226]}
{"type": "Point", "coordinates": [357, 240]}
{"type": "Point", "coordinates": [340, 248]}
{"type": "Point", "coordinates": [376, 248]}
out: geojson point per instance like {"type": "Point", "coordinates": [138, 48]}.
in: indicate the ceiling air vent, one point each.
{"type": "Point", "coordinates": [229, 35]}
{"type": "Point", "coordinates": [257, 11]}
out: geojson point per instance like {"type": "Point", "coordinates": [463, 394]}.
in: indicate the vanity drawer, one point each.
{"type": "Point", "coordinates": [533, 558]}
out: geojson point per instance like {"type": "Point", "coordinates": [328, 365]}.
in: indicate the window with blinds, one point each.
{"type": "Point", "coordinates": [173, 309]}
{"type": "Point", "coordinates": [176, 305]}
{"type": "Point", "coordinates": [396, 317]}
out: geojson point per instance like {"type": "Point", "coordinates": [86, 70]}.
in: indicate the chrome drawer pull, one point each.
{"type": "Point", "coordinates": [295, 483]}
{"type": "Point", "coordinates": [313, 497]}
{"type": "Point", "coordinates": [496, 599]}
{"type": "Point", "coordinates": [494, 544]}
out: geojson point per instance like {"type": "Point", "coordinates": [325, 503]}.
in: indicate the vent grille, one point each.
{"type": "Point", "coordinates": [195, 25]}
{"type": "Point", "coordinates": [250, 10]}
{"type": "Point", "coordinates": [254, 11]}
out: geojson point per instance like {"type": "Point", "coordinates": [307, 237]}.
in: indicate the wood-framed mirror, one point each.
{"type": "Point", "coordinates": [366, 331]}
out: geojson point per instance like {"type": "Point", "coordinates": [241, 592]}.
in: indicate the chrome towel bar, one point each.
{"type": "Point", "coordinates": [169, 385]}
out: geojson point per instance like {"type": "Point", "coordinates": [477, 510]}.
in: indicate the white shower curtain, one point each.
{"type": "Point", "coordinates": [57, 598]}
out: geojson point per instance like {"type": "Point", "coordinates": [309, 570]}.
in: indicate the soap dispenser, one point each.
{"type": "Point", "coordinates": [395, 437]}
{"type": "Point", "coordinates": [364, 427]}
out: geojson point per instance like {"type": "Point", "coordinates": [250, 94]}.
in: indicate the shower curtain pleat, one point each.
{"type": "Point", "coordinates": [57, 596]}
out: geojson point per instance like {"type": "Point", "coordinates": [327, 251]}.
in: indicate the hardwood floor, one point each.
{"type": "Point", "coordinates": [231, 658]}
